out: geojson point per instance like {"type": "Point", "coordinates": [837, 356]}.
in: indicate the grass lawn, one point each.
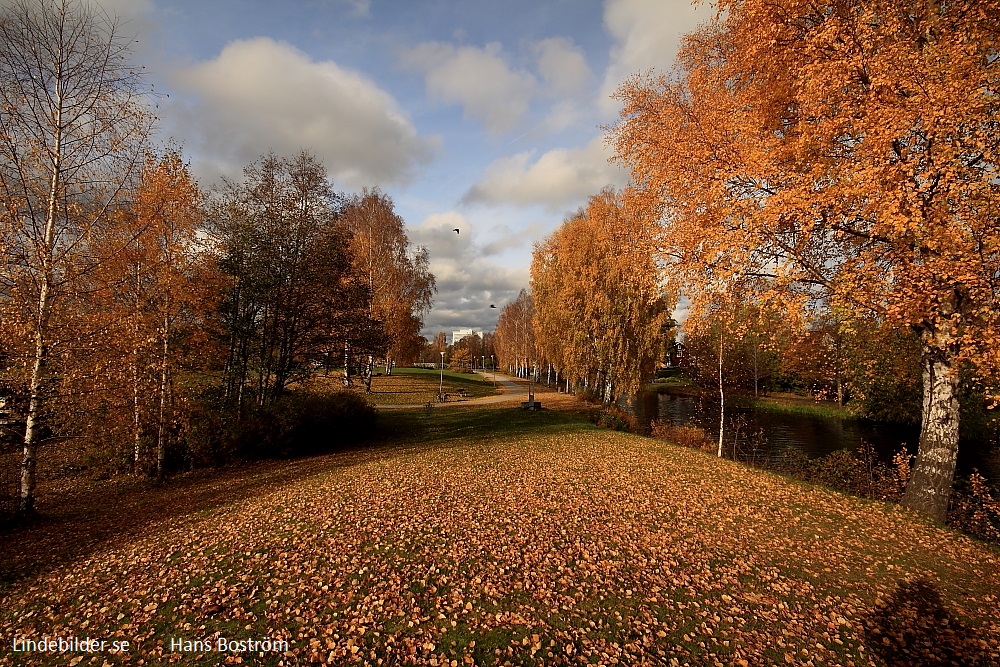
{"type": "Point", "coordinates": [416, 386]}
{"type": "Point", "coordinates": [496, 536]}
{"type": "Point", "coordinates": [798, 406]}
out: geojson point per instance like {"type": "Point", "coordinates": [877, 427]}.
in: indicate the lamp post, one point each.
{"type": "Point", "coordinates": [494, 365]}
{"type": "Point", "coordinates": [441, 386]}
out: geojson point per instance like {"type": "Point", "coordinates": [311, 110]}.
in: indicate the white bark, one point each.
{"type": "Point", "coordinates": [722, 399]}
{"type": "Point", "coordinates": [929, 488]}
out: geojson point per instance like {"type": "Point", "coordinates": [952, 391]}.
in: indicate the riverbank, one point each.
{"type": "Point", "coordinates": [783, 402]}
{"type": "Point", "coordinates": [493, 535]}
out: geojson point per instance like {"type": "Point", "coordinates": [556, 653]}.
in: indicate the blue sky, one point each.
{"type": "Point", "coordinates": [482, 115]}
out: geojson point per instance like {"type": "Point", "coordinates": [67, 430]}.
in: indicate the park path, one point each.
{"type": "Point", "coordinates": [513, 390]}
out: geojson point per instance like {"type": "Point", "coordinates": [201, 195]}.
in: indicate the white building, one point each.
{"type": "Point", "coordinates": [462, 333]}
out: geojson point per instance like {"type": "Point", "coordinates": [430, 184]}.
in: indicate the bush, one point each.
{"type": "Point", "coordinates": [297, 424]}
{"type": "Point", "coordinates": [974, 510]}
{"type": "Point", "coordinates": [684, 435]}
{"type": "Point", "coordinates": [616, 419]}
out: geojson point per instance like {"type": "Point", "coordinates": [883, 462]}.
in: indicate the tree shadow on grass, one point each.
{"type": "Point", "coordinates": [913, 628]}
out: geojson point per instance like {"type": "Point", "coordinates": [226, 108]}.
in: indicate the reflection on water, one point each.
{"type": "Point", "coordinates": [771, 433]}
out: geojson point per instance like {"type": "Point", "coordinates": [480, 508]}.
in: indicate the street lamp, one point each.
{"type": "Point", "coordinates": [441, 386]}
{"type": "Point", "coordinates": [493, 364]}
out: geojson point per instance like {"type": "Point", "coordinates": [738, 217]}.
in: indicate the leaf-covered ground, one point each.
{"type": "Point", "coordinates": [495, 536]}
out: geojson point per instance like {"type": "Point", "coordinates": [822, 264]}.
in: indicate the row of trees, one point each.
{"type": "Point", "coordinates": [598, 313]}
{"type": "Point", "coordinates": [129, 299]}
{"type": "Point", "coordinates": [601, 303]}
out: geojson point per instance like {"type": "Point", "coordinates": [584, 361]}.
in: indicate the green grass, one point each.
{"type": "Point", "coordinates": [413, 386]}
{"type": "Point", "coordinates": [825, 410]}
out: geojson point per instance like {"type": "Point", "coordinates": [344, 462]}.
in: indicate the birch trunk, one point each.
{"type": "Point", "coordinates": [722, 400]}
{"type": "Point", "coordinates": [161, 433]}
{"type": "Point", "coordinates": [347, 364]}
{"type": "Point", "coordinates": [369, 370]}
{"type": "Point", "coordinates": [929, 488]}
{"type": "Point", "coordinates": [32, 428]}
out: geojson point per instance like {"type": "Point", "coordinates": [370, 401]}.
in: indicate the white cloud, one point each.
{"type": "Point", "coordinates": [647, 35]}
{"type": "Point", "coordinates": [557, 179]}
{"type": "Point", "coordinates": [478, 79]}
{"type": "Point", "coordinates": [260, 95]}
{"type": "Point", "coordinates": [562, 66]}
{"type": "Point", "coordinates": [468, 281]}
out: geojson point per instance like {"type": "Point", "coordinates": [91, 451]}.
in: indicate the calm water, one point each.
{"type": "Point", "coordinates": [772, 434]}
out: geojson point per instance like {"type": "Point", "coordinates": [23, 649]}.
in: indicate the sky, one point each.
{"type": "Point", "coordinates": [479, 115]}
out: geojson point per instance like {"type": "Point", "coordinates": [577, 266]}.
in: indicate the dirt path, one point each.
{"type": "Point", "coordinates": [514, 389]}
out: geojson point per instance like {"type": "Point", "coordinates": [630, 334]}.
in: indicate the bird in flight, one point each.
{"type": "Point", "coordinates": [455, 230]}
{"type": "Point", "coordinates": [492, 306]}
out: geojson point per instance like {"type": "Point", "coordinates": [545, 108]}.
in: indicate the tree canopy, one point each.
{"type": "Point", "coordinates": [842, 151]}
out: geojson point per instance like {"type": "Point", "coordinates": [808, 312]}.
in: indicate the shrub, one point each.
{"type": "Point", "coordinates": [974, 510]}
{"type": "Point", "coordinates": [297, 424]}
{"type": "Point", "coordinates": [616, 419]}
{"type": "Point", "coordinates": [684, 435]}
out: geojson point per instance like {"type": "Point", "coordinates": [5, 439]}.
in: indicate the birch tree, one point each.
{"type": "Point", "coordinates": [514, 335]}
{"type": "Point", "coordinates": [601, 299]}
{"type": "Point", "coordinates": [844, 150]}
{"type": "Point", "coordinates": [72, 126]}
{"type": "Point", "coordinates": [168, 216]}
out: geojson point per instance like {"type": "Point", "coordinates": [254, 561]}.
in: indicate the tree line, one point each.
{"type": "Point", "coordinates": [822, 169]}
{"type": "Point", "coordinates": [134, 304]}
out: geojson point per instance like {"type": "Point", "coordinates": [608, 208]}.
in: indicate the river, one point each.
{"type": "Point", "coordinates": [771, 434]}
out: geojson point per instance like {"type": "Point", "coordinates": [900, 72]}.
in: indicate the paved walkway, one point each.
{"type": "Point", "coordinates": [513, 390]}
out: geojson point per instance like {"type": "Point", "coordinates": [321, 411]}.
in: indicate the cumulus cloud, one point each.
{"type": "Point", "coordinates": [558, 178]}
{"type": "Point", "coordinates": [562, 66]}
{"type": "Point", "coordinates": [260, 95]}
{"type": "Point", "coordinates": [468, 281]}
{"type": "Point", "coordinates": [478, 79]}
{"type": "Point", "coordinates": [647, 35]}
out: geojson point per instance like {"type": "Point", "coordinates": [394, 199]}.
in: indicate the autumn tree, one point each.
{"type": "Point", "coordinates": [841, 150]}
{"type": "Point", "coordinates": [396, 273]}
{"type": "Point", "coordinates": [165, 289]}
{"type": "Point", "coordinates": [461, 357]}
{"type": "Point", "coordinates": [514, 335]}
{"type": "Point", "coordinates": [600, 298]}
{"type": "Point", "coordinates": [290, 292]}
{"type": "Point", "coordinates": [72, 125]}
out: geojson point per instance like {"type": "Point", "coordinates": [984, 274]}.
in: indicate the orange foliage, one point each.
{"type": "Point", "coordinates": [601, 301]}
{"type": "Point", "coordinates": [845, 151]}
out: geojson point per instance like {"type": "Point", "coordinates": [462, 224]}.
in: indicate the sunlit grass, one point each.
{"type": "Point", "coordinates": [415, 386]}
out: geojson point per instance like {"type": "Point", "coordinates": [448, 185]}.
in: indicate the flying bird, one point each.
{"type": "Point", "coordinates": [492, 306]}
{"type": "Point", "coordinates": [455, 230]}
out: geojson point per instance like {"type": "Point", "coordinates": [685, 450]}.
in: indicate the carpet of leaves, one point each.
{"type": "Point", "coordinates": [589, 547]}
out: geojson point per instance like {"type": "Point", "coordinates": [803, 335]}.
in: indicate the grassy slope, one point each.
{"type": "Point", "coordinates": [496, 535]}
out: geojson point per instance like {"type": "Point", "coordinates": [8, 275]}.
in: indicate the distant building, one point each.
{"type": "Point", "coordinates": [462, 333]}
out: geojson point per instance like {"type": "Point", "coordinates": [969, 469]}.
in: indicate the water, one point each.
{"type": "Point", "coordinates": [770, 434]}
